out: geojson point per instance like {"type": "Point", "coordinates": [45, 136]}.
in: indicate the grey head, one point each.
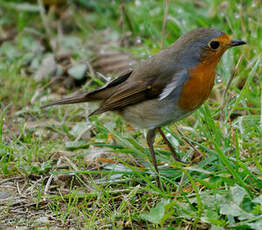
{"type": "Point", "coordinates": [188, 48]}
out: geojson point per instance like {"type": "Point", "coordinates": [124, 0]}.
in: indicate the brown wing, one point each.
{"type": "Point", "coordinates": [133, 92]}
{"type": "Point", "coordinates": [106, 91]}
{"type": "Point", "coordinates": [125, 96]}
{"type": "Point", "coordinates": [157, 77]}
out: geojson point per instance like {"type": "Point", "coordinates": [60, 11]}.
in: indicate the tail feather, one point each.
{"type": "Point", "coordinates": [100, 94]}
{"type": "Point", "coordinates": [69, 100]}
{"type": "Point", "coordinates": [97, 111]}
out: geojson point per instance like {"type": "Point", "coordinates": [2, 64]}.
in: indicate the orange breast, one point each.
{"type": "Point", "coordinates": [197, 89]}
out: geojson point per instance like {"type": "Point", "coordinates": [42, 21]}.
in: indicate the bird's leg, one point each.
{"type": "Point", "coordinates": [150, 137]}
{"type": "Point", "coordinates": [174, 154]}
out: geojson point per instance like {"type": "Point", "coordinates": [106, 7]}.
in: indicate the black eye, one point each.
{"type": "Point", "coordinates": [214, 44]}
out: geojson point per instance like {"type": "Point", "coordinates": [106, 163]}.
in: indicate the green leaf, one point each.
{"type": "Point", "coordinates": [73, 145]}
{"type": "Point", "coordinates": [230, 209]}
{"type": "Point", "coordinates": [238, 194]}
{"type": "Point", "coordinates": [214, 227]}
{"type": "Point", "coordinates": [22, 6]}
{"type": "Point", "coordinates": [229, 204]}
{"type": "Point", "coordinates": [78, 71]}
{"type": "Point", "coordinates": [256, 226]}
{"type": "Point", "coordinates": [258, 200]}
{"type": "Point", "coordinates": [79, 129]}
{"type": "Point", "coordinates": [157, 213]}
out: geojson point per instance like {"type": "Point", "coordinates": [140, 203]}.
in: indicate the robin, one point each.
{"type": "Point", "coordinates": [166, 87]}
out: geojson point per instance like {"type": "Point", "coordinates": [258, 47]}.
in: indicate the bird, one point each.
{"type": "Point", "coordinates": [164, 88]}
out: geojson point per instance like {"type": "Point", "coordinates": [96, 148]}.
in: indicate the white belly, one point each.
{"type": "Point", "coordinates": [153, 113]}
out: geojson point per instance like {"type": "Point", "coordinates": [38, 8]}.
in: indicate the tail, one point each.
{"type": "Point", "coordinates": [96, 95]}
{"type": "Point", "coordinates": [70, 100]}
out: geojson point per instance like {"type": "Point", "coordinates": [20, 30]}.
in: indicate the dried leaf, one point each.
{"type": "Point", "coordinates": [109, 61]}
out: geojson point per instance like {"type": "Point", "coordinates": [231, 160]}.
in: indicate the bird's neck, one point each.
{"type": "Point", "coordinates": [199, 85]}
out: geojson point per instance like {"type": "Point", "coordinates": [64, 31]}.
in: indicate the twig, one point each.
{"type": "Point", "coordinates": [91, 69]}
{"type": "Point", "coordinates": [39, 91]}
{"type": "Point", "coordinates": [122, 18]}
{"type": "Point", "coordinates": [83, 179]}
{"type": "Point", "coordinates": [164, 23]}
{"type": "Point", "coordinates": [125, 14]}
{"type": "Point", "coordinates": [230, 25]}
{"type": "Point", "coordinates": [180, 183]}
{"type": "Point", "coordinates": [224, 102]}
{"type": "Point", "coordinates": [43, 17]}
{"type": "Point", "coordinates": [8, 37]}
{"type": "Point", "coordinates": [10, 179]}
{"type": "Point", "coordinates": [48, 184]}
{"type": "Point", "coordinates": [71, 163]}
{"type": "Point", "coordinates": [187, 141]}
{"type": "Point", "coordinates": [45, 23]}
{"type": "Point", "coordinates": [81, 134]}
{"type": "Point", "coordinates": [18, 188]}
{"type": "Point", "coordinates": [50, 179]}
{"type": "Point", "coordinates": [91, 72]}
{"type": "Point", "coordinates": [261, 107]}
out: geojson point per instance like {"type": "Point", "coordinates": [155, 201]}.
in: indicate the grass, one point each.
{"type": "Point", "coordinates": [60, 169]}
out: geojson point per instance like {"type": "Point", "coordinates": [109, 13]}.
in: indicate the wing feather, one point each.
{"type": "Point", "coordinates": [177, 81]}
{"type": "Point", "coordinates": [133, 92]}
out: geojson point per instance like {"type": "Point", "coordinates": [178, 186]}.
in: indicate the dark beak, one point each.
{"type": "Point", "coordinates": [237, 43]}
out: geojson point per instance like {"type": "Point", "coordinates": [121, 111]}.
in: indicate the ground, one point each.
{"type": "Point", "coordinates": [60, 169]}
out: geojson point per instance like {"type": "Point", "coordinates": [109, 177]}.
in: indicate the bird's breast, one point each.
{"type": "Point", "coordinates": [198, 87]}
{"type": "Point", "coordinates": [153, 113]}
